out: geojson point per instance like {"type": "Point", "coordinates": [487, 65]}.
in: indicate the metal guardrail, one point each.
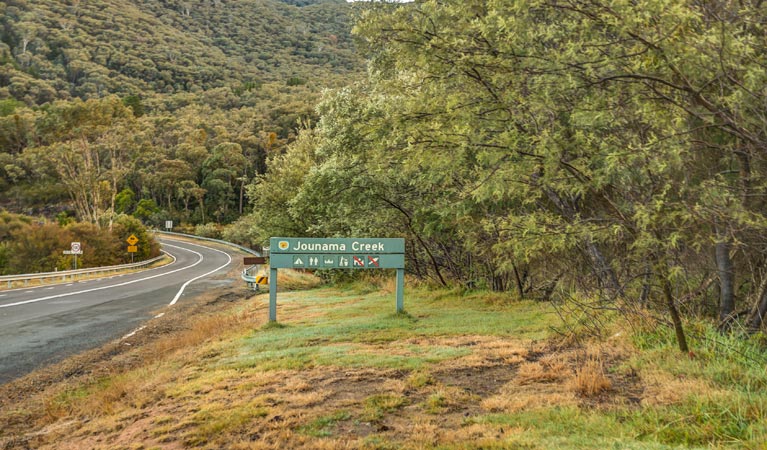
{"type": "Point", "coordinates": [219, 241]}
{"type": "Point", "coordinates": [72, 274]}
{"type": "Point", "coordinates": [246, 275]}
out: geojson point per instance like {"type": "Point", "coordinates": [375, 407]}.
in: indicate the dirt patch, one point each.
{"type": "Point", "coordinates": [481, 381]}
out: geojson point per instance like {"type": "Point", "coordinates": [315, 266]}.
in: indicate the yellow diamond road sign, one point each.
{"type": "Point", "coordinates": [132, 239]}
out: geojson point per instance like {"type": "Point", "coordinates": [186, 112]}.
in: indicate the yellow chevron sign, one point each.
{"type": "Point", "coordinates": [262, 280]}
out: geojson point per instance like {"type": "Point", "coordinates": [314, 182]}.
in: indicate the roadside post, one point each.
{"type": "Point", "coordinates": [255, 262]}
{"type": "Point", "coordinates": [132, 248]}
{"type": "Point", "coordinates": [335, 253]}
{"type": "Point", "coordinates": [74, 249]}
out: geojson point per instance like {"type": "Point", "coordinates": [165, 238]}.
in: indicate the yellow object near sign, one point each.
{"type": "Point", "coordinates": [262, 280]}
{"type": "Point", "coordinates": [132, 249]}
{"type": "Point", "coordinates": [132, 240]}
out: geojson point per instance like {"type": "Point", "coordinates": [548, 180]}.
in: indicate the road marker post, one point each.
{"type": "Point", "coordinates": [132, 248]}
{"type": "Point", "coordinates": [75, 248]}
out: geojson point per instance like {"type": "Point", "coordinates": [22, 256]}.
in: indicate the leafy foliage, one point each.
{"type": "Point", "coordinates": [31, 245]}
{"type": "Point", "coordinates": [178, 102]}
{"type": "Point", "coordinates": [607, 149]}
{"type": "Point", "coordinates": [59, 50]}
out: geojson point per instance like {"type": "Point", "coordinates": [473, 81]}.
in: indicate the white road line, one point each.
{"type": "Point", "coordinates": [27, 292]}
{"type": "Point", "coordinates": [133, 332]}
{"type": "Point", "coordinates": [50, 288]}
{"type": "Point", "coordinates": [70, 284]}
{"type": "Point", "coordinates": [35, 300]}
{"type": "Point", "coordinates": [3, 295]}
{"type": "Point", "coordinates": [181, 291]}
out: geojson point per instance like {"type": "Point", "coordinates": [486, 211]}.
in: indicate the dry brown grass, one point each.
{"type": "Point", "coordinates": [546, 370]}
{"type": "Point", "coordinates": [288, 279]}
{"type": "Point", "coordinates": [590, 379]}
{"type": "Point", "coordinates": [485, 350]}
{"type": "Point", "coordinates": [202, 329]}
{"type": "Point", "coordinates": [515, 398]}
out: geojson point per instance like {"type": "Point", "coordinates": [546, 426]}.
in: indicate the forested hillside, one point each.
{"type": "Point", "coordinates": [159, 109]}
{"type": "Point", "coordinates": [60, 50]}
{"type": "Point", "coordinates": [609, 154]}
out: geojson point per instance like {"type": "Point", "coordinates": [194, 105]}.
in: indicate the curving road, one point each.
{"type": "Point", "coordinates": [42, 325]}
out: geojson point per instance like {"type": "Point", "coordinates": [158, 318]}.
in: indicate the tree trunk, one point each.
{"type": "Point", "coordinates": [726, 274]}
{"type": "Point", "coordinates": [604, 272]}
{"type": "Point", "coordinates": [518, 279]}
{"type": "Point", "coordinates": [409, 223]}
{"type": "Point", "coordinates": [675, 318]}
{"type": "Point", "coordinates": [645, 294]}
{"type": "Point", "coordinates": [242, 195]}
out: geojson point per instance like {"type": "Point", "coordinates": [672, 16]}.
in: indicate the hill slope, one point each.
{"type": "Point", "coordinates": [57, 50]}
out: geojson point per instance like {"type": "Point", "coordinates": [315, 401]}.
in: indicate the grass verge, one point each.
{"type": "Point", "coordinates": [457, 371]}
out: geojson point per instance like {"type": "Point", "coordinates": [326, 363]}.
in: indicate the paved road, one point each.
{"type": "Point", "coordinates": [43, 325]}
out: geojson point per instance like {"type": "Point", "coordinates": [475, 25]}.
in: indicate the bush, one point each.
{"type": "Point", "coordinates": [208, 230]}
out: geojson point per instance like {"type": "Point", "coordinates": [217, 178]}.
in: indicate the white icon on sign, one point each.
{"type": "Point", "coordinates": [329, 262]}
{"type": "Point", "coordinates": [358, 262]}
{"type": "Point", "coordinates": [298, 262]}
{"type": "Point", "coordinates": [314, 261]}
{"type": "Point", "coordinates": [343, 262]}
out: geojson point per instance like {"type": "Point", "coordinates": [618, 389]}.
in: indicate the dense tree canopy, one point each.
{"type": "Point", "coordinates": [615, 149]}
{"type": "Point", "coordinates": [165, 110]}
{"type": "Point", "coordinates": [63, 49]}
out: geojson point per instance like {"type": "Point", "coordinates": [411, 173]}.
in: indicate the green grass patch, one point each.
{"type": "Point", "coordinates": [324, 426]}
{"type": "Point", "coordinates": [220, 421]}
{"type": "Point", "coordinates": [568, 428]}
{"type": "Point", "coordinates": [345, 327]}
{"type": "Point", "coordinates": [435, 403]}
{"type": "Point", "coordinates": [699, 421]}
{"type": "Point", "coordinates": [378, 405]}
{"type": "Point", "coordinates": [731, 410]}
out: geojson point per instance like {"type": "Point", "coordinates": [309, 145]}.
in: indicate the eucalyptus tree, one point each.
{"type": "Point", "coordinates": [90, 145]}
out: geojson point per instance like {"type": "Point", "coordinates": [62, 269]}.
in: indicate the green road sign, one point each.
{"type": "Point", "coordinates": [351, 261]}
{"type": "Point", "coordinates": [335, 253]}
{"type": "Point", "coordinates": [336, 246]}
